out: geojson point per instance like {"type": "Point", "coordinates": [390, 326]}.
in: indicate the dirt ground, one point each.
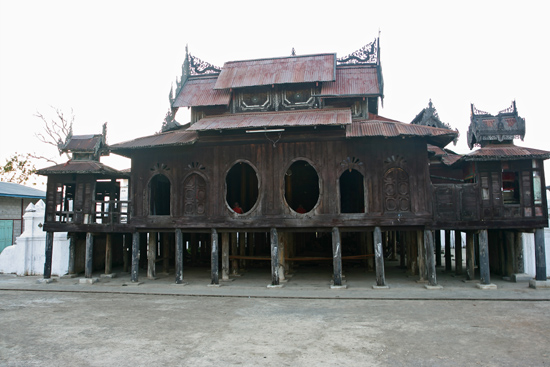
{"type": "Point", "coordinates": [86, 329]}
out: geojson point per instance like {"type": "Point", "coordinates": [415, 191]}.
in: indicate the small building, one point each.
{"type": "Point", "coordinates": [14, 199]}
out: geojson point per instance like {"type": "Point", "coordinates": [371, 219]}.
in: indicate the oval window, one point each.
{"type": "Point", "coordinates": [242, 187]}
{"type": "Point", "coordinates": [301, 187]}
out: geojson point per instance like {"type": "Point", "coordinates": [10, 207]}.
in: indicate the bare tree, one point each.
{"type": "Point", "coordinates": [18, 169]}
{"type": "Point", "coordinates": [55, 131]}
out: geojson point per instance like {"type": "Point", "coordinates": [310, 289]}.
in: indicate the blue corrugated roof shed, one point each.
{"type": "Point", "coordinates": [11, 189]}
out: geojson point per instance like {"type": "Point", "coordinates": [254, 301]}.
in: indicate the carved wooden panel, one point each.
{"type": "Point", "coordinates": [396, 191]}
{"type": "Point", "coordinates": [195, 195]}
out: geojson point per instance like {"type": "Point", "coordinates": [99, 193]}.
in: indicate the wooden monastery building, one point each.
{"type": "Point", "coordinates": [285, 162]}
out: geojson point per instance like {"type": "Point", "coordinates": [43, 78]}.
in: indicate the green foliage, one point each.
{"type": "Point", "coordinates": [18, 169]}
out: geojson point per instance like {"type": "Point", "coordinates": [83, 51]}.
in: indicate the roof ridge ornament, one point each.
{"type": "Point", "coordinates": [200, 67]}
{"type": "Point", "coordinates": [368, 54]}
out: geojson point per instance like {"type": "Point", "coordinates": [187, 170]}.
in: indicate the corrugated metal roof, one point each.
{"type": "Point", "coordinates": [447, 157]}
{"type": "Point", "coordinates": [88, 167]}
{"type": "Point", "coordinates": [176, 137]}
{"type": "Point", "coordinates": [505, 151]}
{"type": "Point", "coordinates": [384, 127]}
{"type": "Point", "coordinates": [10, 189]}
{"type": "Point", "coordinates": [352, 81]}
{"type": "Point", "coordinates": [83, 143]}
{"type": "Point", "coordinates": [336, 116]}
{"type": "Point", "coordinates": [293, 69]}
{"type": "Point", "coordinates": [201, 92]}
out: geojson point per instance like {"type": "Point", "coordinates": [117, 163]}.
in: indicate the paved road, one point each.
{"type": "Point", "coordinates": [46, 328]}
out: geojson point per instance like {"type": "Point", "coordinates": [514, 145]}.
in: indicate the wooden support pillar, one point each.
{"type": "Point", "coordinates": [225, 256]}
{"type": "Point", "coordinates": [48, 255]}
{"type": "Point", "coordinates": [430, 260]}
{"type": "Point", "coordinates": [165, 252]}
{"type": "Point", "coordinates": [379, 258]}
{"type": "Point", "coordinates": [135, 257]}
{"type": "Point", "coordinates": [214, 258]}
{"type": "Point", "coordinates": [448, 260]}
{"type": "Point", "coordinates": [88, 266]}
{"type": "Point", "coordinates": [540, 255]}
{"type": "Point", "coordinates": [108, 253]}
{"type": "Point", "coordinates": [234, 252]}
{"type": "Point", "coordinates": [282, 249]}
{"type": "Point", "coordinates": [422, 273]}
{"type": "Point", "coordinates": [437, 248]}
{"type": "Point", "coordinates": [72, 253]}
{"type": "Point", "coordinates": [370, 251]}
{"type": "Point", "coordinates": [337, 256]}
{"type": "Point", "coordinates": [179, 256]}
{"type": "Point", "coordinates": [126, 254]}
{"type": "Point", "coordinates": [458, 253]}
{"type": "Point", "coordinates": [470, 256]}
{"type": "Point", "coordinates": [393, 236]}
{"type": "Point", "coordinates": [242, 249]}
{"type": "Point", "coordinates": [413, 253]}
{"type": "Point", "coordinates": [402, 250]}
{"type": "Point", "coordinates": [518, 254]}
{"type": "Point", "coordinates": [152, 256]}
{"type": "Point", "coordinates": [484, 272]}
{"type": "Point", "coordinates": [509, 248]}
{"type": "Point", "coordinates": [274, 257]}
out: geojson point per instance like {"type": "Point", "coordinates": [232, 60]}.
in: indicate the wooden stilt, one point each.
{"type": "Point", "coordinates": [379, 258]}
{"type": "Point", "coordinates": [394, 245]}
{"type": "Point", "coordinates": [540, 255]}
{"type": "Point", "coordinates": [72, 253]}
{"type": "Point", "coordinates": [437, 247]}
{"type": "Point", "coordinates": [108, 254]}
{"type": "Point", "coordinates": [179, 256]}
{"type": "Point", "coordinates": [509, 248]}
{"type": "Point", "coordinates": [152, 256]}
{"type": "Point", "coordinates": [135, 257]}
{"type": "Point", "coordinates": [458, 253]}
{"type": "Point", "coordinates": [422, 272]}
{"type": "Point", "coordinates": [48, 255]}
{"type": "Point", "coordinates": [448, 260]}
{"type": "Point", "coordinates": [484, 272]}
{"type": "Point", "coordinates": [274, 257]}
{"type": "Point", "coordinates": [413, 263]}
{"type": "Point", "coordinates": [470, 256]}
{"type": "Point", "coordinates": [165, 252]}
{"type": "Point", "coordinates": [214, 258]}
{"type": "Point", "coordinates": [430, 260]}
{"type": "Point", "coordinates": [234, 251]}
{"type": "Point", "coordinates": [518, 253]}
{"type": "Point", "coordinates": [88, 267]}
{"type": "Point", "coordinates": [242, 249]}
{"type": "Point", "coordinates": [225, 256]}
{"type": "Point", "coordinates": [370, 251]}
{"type": "Point", "coordinates": [337, 256]}
{"type": "Point", "coordinates": [126, 253]}
{"type": "Point", "coordinates": [402, 250]}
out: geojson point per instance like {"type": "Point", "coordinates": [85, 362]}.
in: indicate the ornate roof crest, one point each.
{"type": "Point", "coordinates": [368, 54]}
{"type": "Point", "coordinates": [486, 128]}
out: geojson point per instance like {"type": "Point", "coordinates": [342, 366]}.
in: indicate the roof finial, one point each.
{"type": "Point", "coordinates": [293, 52]}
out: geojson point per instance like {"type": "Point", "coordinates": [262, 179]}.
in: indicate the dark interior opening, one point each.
{"type": "Point", "coordinates": [352, 195]}
{"type": "Point", "coordinates": [242, 187]}
{"type": "Point", "coordinates": [510, 187]}
{"type": "Point", "coordinates": [160, 195]}
{"type": "Point", "coordinates": [301, 187]}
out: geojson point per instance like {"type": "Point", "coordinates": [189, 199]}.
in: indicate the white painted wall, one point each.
{"type": "Point", "coordinates": [27, 256]}
{"type": "Point", "coordinates": [529, 252]}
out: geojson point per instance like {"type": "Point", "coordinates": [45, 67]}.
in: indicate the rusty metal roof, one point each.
{"type": "Point", "coordinates": [170, 138]}
{"type": "Point", "coordinates": [352, 81]}
{"type": "Point", "coordinates": [83, 143]}
{"type": "Point", "coordinates": [293, 69]}
{"type": "Point", "coordinates": [82, 167]}
{"type": "Point", "coordinates": [316, 117]}
{"type": "Point", "coordinates": [496, 152]}
{"type": "Point", "coordinates": [200, 92]}
{"type": "Point", "coordinates": [384, 127]}
{"type": "Point", "coordinates": [447, 157]}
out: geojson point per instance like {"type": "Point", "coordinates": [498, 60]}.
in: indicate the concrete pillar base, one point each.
{"type": "Point", "coordinates": [112, 275]}
{"type": "Point", "coordinates": [486, 286]}
{"type": "Point", "coordinates": [338, 287]}
{"type": "Point", "coordinates": [536, 284]}
{"type": "Point", "coordinates": [433, 287]}
{"type": "Point", "coordinates": [88, 280]}
{"type": "Point", "coordinates": [46, 281]}
{"type": "Point", "coordinates": [521, 277]}
{"type": "Point", "coordinates": [380, 287]}
{"type": "Point", "coordinates": [275, 286]}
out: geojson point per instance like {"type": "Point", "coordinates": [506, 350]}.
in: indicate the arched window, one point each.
{"type": "Point", "coordinates": [301, 187]}
{"type": "Point", "coordinates": [396, 191]}
{"type": "Point", "coordinates": [352, 192]}
{"type": "Point", "coordinates": [159, 195]}
{"type": "Point", "coordinates": [242, 187]}
{"type": "Point", "coordinates": [195, 195]}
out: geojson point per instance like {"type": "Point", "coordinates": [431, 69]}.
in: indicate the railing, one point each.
{"type": "Point", "coordinates": [110, 212]}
